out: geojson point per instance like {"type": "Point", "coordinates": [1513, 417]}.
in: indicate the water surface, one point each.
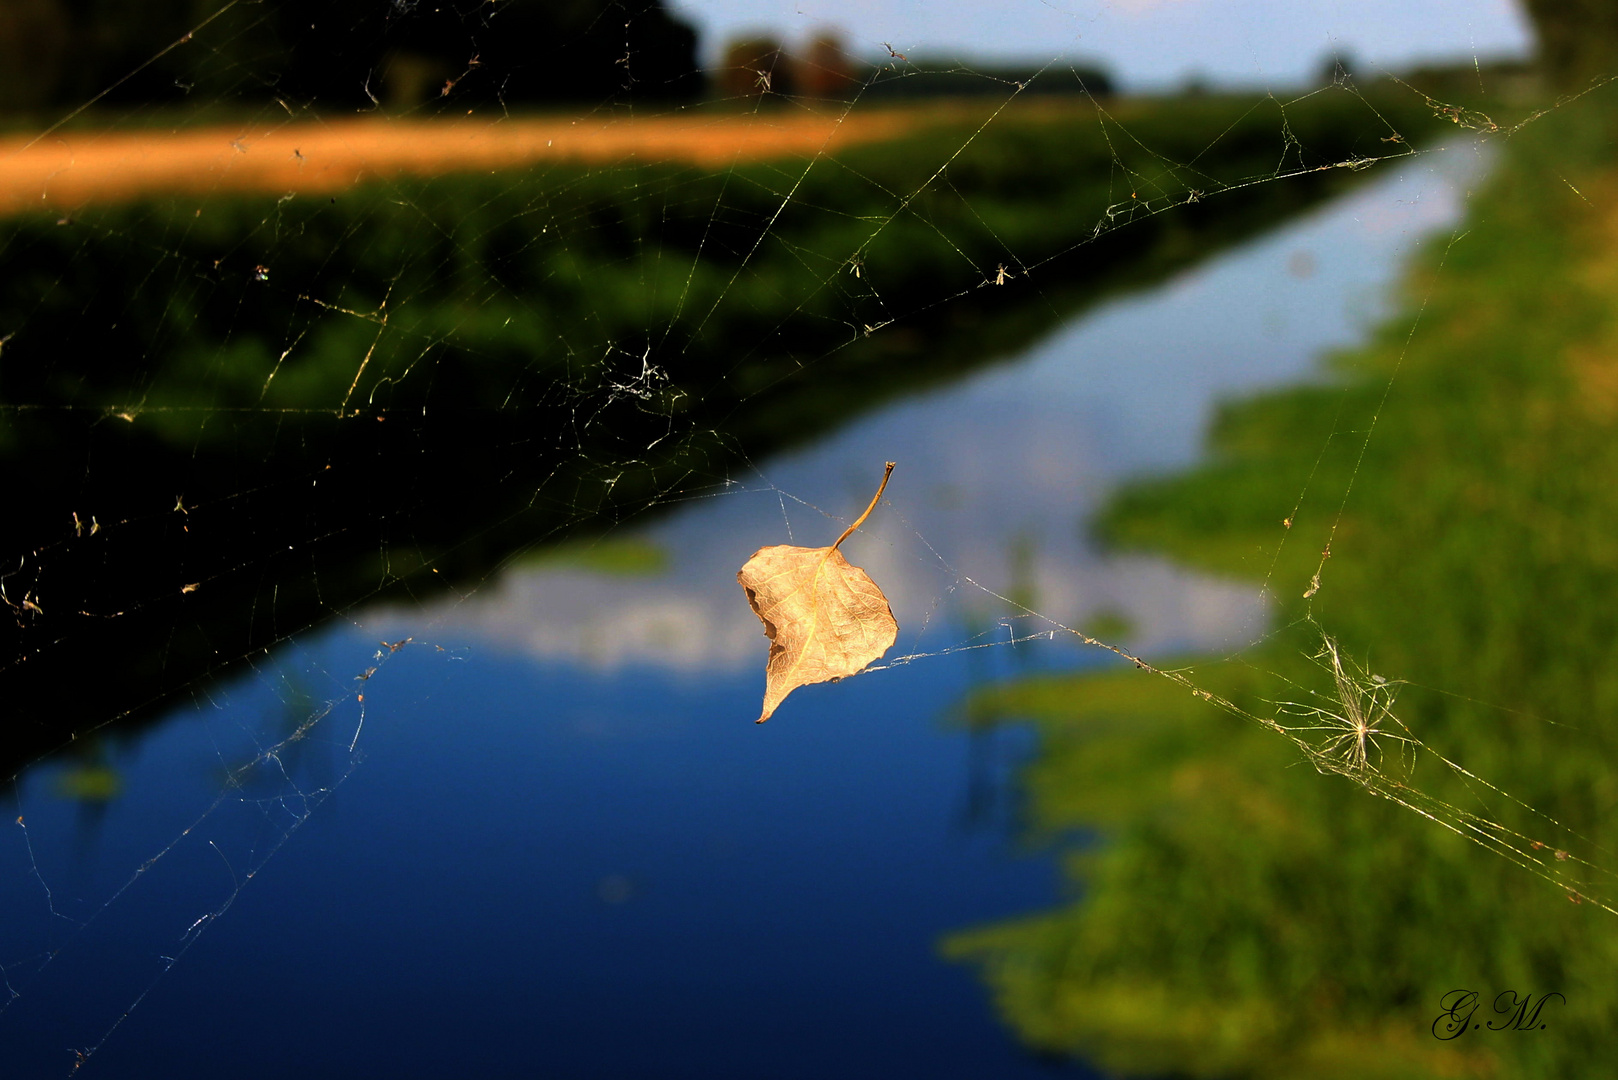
{"type": "Point", "coordinates": [545, 837]}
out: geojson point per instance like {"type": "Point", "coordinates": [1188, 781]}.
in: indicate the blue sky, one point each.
{"type": "Point", "coordinates": [1146, 43]}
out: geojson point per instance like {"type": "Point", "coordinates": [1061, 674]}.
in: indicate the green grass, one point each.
{"type": "Point", "coordinates": [1240, 913]}
{"type": "Point", "coordinates": [498, 288]}
{"type": "Point", "coordinates": [611, 556]}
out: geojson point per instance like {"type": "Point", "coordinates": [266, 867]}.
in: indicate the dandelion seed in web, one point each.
{"type": "Point", "coordinates": [825, 618]}
{"type": "Point", "coordinates": [1354, 725]}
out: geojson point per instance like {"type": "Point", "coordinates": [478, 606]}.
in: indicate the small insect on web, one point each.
{"type": "Point", "coordinates": [825, 618]}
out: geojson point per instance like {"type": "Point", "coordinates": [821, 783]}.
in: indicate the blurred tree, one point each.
{"type": "Point", "coordinates": [825, 70]}
{"type": "Point", "coordinates": [343, 53]}
{"type": "Point", "coordinates": [1337, 66]}
{"type": "Point", "coordinates": [514, 51]}
{"type": "Point", "coordinates": [1578, 39]}
{"type": "Point", "coordinates": [33, 42]}
{"type": "Point", "coordinates": [53, 51]}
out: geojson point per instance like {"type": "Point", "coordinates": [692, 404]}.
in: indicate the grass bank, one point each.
{"type": "Point", "coordinates": [1240, 913]}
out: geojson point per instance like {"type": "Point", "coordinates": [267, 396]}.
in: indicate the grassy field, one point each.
{"type": "Point", "coordinates": [1240, 913]}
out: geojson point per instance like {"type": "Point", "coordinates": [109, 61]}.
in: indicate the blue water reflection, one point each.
{"type": "Point", "coordinates": [550, 840]}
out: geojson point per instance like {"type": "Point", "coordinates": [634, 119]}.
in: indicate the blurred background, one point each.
{"type": "Point", "coordinates": [389, 393]}
{"type": "Point", "coordinates": [61, 54]}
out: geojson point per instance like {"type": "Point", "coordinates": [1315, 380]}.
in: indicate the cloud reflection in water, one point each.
{"type": "Point", "coordinates": [999, 473]}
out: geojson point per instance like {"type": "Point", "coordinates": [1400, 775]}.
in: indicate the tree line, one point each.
{"type": "Point", "coordinates": [342, 53]}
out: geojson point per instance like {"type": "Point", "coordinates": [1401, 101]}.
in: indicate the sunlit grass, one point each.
{"type": "Point", "coordinates": [1244, 915]}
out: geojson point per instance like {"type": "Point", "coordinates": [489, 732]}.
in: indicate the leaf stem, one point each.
{"type": "Point", "coordinates": [874, 500]}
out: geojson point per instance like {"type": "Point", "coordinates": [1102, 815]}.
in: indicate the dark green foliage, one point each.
{"type": "Point", "coordinates": [1578, 39]}
{"type": "Point", "coordinates": [343, 55]}
{"type": "Point", "coordinates": [768, 266]}
{"type": "Point", "coordinates": [920, 78]}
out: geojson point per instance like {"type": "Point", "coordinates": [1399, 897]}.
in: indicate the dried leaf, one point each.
{"type": "Point", "coordinates": [825, 617]}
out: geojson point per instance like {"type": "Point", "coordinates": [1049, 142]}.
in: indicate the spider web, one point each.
{"type": "Point", "coordinates": [293, 365]}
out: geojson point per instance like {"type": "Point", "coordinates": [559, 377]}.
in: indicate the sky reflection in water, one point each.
{"type": "Point", "coordinates": [559, 845]}
{"type": "Point", "coordinates": [999, 473]}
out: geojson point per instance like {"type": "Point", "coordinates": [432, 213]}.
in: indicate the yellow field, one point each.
{"type": "Point", "coordinates": [70, 168]}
